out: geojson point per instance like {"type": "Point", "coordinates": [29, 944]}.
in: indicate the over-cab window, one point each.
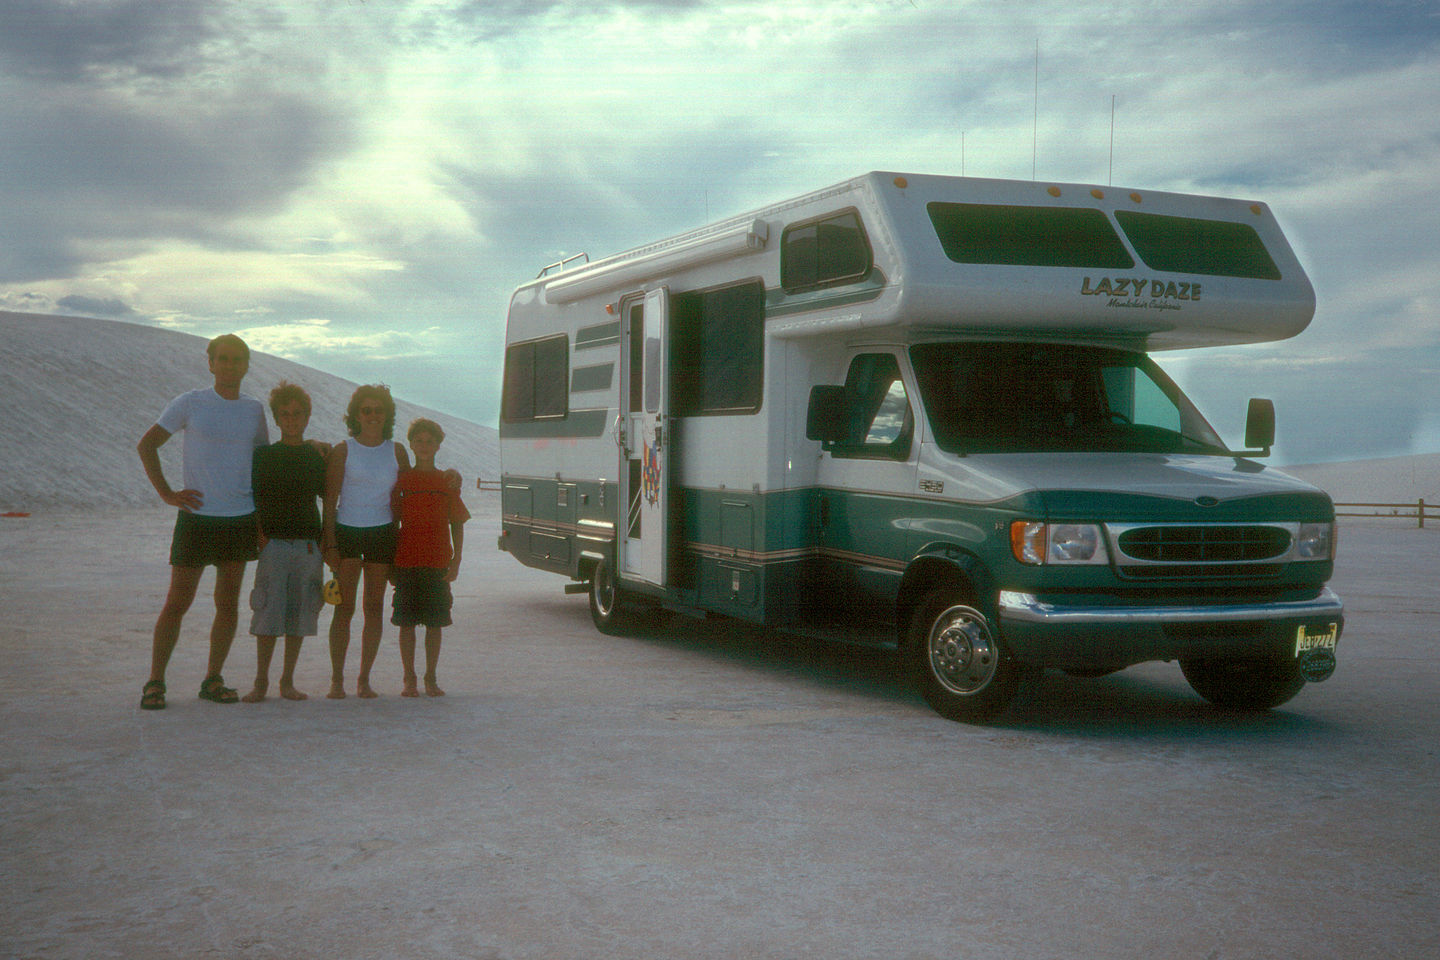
{"type": "Point", "coordinates": [824, 252]}
{"type": "Point", "coordinates": [718, 350]}
{"type": "Point", "coordinates": [1217, 248]}
{"type": "Point", "coordinates": [880, 422]}
{"type": "Point", "coordinates": [1012, 235]}
{"type": "Point", "coordinates": [537, 378]}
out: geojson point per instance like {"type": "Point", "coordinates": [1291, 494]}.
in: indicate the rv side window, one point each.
{"type": "Point", "coordinates": [1217, 248]}
{"type": "Point", "coordinates": [537, 377]}
{"type": "Point", "coordinates": [824, 252]}
{"type": "Point", "coordinates": [718, 350]}
{"type": "Point", "coordinates": [1010, 235]}
{"type": "Point", "coordinates": [880, 423]}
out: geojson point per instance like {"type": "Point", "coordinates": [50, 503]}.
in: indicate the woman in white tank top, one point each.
{"type": "Point", "coordinates": [359, 536]}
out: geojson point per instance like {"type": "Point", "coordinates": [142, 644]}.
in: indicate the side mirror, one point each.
{"type": "Point", "coordinates": [826, 418]}
{"type": "Point", "coordinates": [1260, 426]}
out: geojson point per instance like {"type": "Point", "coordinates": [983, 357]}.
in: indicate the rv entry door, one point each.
{"type": "Point", "coordinates": [644, 448]}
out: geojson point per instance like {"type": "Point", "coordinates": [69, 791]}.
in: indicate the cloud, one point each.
{"type": "Point", "coordinates": [129, 124]}
{"type": "Point", "coordinates": [92, 307]}
{"type": "Point", "coordinates": [75, 42]}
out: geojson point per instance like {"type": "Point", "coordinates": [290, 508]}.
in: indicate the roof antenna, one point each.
{"type": "Point", "coordinates": [1112, 140]}
{"type": "Point", "coordinates": [1035, 119]}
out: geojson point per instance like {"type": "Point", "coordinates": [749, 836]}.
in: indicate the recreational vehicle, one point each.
{"type": "Point", "coordinates": [921, 411]}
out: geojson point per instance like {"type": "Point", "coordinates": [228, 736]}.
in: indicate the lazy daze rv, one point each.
{"type": "Point", "coordinates": [919, 410]}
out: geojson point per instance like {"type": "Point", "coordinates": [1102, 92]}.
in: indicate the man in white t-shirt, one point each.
{"type": "Point", "coordinates": [216, 523]}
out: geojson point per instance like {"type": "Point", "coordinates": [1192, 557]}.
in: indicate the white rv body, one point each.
{"type": "Point", "coordinates": [664, 435]}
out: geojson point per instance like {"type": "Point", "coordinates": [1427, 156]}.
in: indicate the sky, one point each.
{"type": "Point", "coordinates": [358, 185]}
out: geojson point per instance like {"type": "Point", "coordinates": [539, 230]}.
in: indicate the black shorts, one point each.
{"type": "Point", "coordinates": [201, 541]}
{"type": "Point", "coordinates": [370, 544]}
{"type": "Point", "coordinates": [422, 597]}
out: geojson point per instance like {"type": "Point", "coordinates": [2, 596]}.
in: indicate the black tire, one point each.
{"type": "Point", "coordinates": [1244, 684]}
{"type": "Point", "coordinates": [608, 608]}
{"type": "Point", "coordinates": [964, 672]}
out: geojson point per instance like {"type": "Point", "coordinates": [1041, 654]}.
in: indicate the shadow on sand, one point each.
{"type": "Point", "coordinates": [1143, 702]}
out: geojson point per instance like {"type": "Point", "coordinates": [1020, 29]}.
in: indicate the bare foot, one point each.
{"type": "Point", "coordinates": [257, 693]}
{"type": "Point", "coordinates": [363, 691]}
{"type": "Point", "coordinates": [337, 690]}
{"type": "Point", "coordinates": [290, 693]}
{"type": "Point", "coordinates": [409, 688]}
{"type": "Point", "coordinates": [432, 689]}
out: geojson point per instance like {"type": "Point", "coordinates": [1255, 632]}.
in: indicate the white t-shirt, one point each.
{"type": "Point", "coordinates": [370, 474]}
{"type": "Point", "coordinates": [220, 437]}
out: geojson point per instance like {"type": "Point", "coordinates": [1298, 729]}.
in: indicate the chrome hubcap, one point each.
{"type": "Point", "coordinates": [604, 588]}
{"type": "Point", "coordinates": [962, 652]}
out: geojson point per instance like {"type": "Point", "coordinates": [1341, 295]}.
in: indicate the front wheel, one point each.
{"type": "Point", "coordinates": [965, 674]}
{"type": "Point", "coordinates": [1244, 684]}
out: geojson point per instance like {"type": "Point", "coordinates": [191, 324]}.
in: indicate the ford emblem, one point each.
{"type": "Point", "coordinates": [1206, 501]}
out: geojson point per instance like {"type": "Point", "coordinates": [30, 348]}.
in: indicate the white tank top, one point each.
{"type": "Point", "coordinates": [370, 474]}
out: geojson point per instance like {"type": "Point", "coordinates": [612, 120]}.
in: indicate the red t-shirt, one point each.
{"type": "Point", "coordinates": [424, 506]}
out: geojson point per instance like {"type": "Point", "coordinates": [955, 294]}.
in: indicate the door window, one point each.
{"type": "Point", "coordinates": [880, 423]}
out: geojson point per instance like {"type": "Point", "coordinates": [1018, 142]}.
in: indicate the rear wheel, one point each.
{"type": "Point", "coordinates": [965, 674]}
{"type": "Point", "coordinates": [1244, 684]}
{"type": "Point", "coordinates": [607, 608]}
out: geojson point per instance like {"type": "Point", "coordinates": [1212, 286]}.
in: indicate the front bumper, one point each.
{"type": "Point", "coordinates": [1077, 635]}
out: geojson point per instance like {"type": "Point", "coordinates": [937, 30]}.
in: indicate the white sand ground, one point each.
{"type": "Point", "coordinates": [702, 791]}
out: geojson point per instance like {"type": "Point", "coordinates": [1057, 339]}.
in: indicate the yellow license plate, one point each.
{"type": "Point", "coordinates": [1324, 638]}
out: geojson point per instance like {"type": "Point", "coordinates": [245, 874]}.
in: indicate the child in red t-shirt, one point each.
{"type": "Point", "coordinates": [429, 515]}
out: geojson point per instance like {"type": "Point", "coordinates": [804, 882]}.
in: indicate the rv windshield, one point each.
{"type": "Point", "coordinates": [1009, 398]}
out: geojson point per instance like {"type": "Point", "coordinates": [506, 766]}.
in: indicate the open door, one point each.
{"type": "Point", "coordinates": [644, 441]}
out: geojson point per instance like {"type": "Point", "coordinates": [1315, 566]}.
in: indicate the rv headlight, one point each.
{"type": "Point", "coordinates": [1040, 543]}
{"type": "Point", "coordinates": [1315, 541]}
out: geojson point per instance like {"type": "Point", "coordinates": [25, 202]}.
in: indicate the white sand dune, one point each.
{"type": "Point", "coordinates": [78, 394]}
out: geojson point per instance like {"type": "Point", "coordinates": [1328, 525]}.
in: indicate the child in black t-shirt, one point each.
{"type": "Point", "coordinates": [287, 477]}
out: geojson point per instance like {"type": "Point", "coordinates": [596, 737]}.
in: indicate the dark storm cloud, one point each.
{"type": "Point", "coordinates": [1349, 34]}
{"type": "Point", "coordinates": [67, 42]}
{"type": "Point", "coordinates": [137, 122]}
{"type": "Point", "coordinates": [94, 307]}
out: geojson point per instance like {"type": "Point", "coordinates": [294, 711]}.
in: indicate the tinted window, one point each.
{"type": "Point", "coordinates": [879, 422]}
{"type": "Point", "coordinates": [718, 350]}
{"type": "Point", "coordinates": [1008, 397]}
{"type": "Point", "coordinates": [1187, 245]}
{"type": "Point", "coordinates": [824, 252]}
{"type": "Point", "coordinates": [1003, 234]}
{"type": "Point", "coordinates": [537, 377]}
